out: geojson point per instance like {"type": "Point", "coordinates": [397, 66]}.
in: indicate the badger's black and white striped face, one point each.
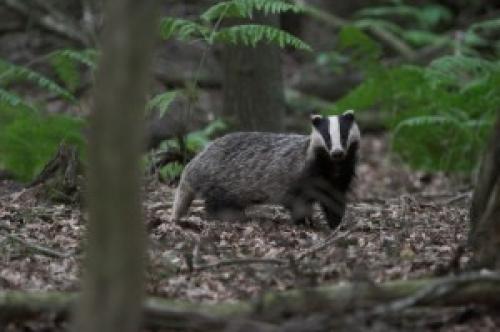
{"type": "Point", "coordinates": [335, 134]}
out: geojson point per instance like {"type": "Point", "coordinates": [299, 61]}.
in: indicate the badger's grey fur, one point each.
{"type": "Point", "coordinates": [247, 168]}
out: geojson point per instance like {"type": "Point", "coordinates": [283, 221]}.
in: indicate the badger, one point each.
{"type": "Point", "coordinates": [247, 168]}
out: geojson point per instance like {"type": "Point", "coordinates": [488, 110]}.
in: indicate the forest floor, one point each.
{"type": "Point", "coordinates": [400, 224]}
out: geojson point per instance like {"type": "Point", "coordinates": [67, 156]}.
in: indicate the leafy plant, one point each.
{"type": "Point", "coordinates": [243, 34]}
{"type": "Point", "coordinates": [30, 139]}
{"type": "Point", "coordinates": [191, 144]}
{"type": "Point", "coordinates": [161, 102]}
{"type": "Point", "coordinates": [440, 114]}
{"type": "Point", "coordinates": [28, 136]}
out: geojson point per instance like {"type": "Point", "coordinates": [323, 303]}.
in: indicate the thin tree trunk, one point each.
{"type": "Point", "coordinates": [485, 209]}
{"type": "Point", "coordinates": [113, 278]}
{"type": "Point", "coordinates": [253, 84]}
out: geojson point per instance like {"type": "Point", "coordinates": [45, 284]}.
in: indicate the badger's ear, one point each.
{"type": "Point", "coordinates": [349, 115]}
{"type": "Point", "coordinates": [316, 119]}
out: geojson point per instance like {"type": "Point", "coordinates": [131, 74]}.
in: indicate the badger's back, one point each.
{"type": "Point", "coordinates": [250, 167]}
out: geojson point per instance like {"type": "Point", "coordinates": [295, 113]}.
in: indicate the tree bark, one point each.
{"type": "Point", "coordinates": [113, 277]}
{"type": "Point", "coordinates": [253, 84]}
{"type": "Point", "coordinates": [484, 235]}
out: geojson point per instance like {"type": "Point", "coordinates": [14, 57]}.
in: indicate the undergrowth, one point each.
{"type": "Point", "coordinates": [29, 136]}
{"type": "Point", "coordinates": [439, 114]}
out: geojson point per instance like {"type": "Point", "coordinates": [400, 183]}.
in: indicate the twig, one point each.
{"type": "Point", "coordinates": [240, 261]}
{"type": "Point", "coordinates": [326, 243]}
{"type": "Point", "coordinates": [48, 22]}
{"type": "Point", "coordinates": [457, 198]}
{"type": "Point", "coordinates": [38, 248]}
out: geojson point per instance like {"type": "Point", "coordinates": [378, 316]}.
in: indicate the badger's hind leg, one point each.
{"type": "Point", "coordinates": [184, 195]}
{"type": "Point", "coordinates": [224, 208]}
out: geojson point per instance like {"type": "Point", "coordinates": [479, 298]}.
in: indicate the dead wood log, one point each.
{"type": "Point", "coordinates": [59, 179]}
{"type": "Point", "coordinates": [473, 288]}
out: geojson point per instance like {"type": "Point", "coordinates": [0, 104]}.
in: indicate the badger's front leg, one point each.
{"type": "Point", "coordinates": [334, 209]}
{"type": "Point", "coordinates": [301, 210]}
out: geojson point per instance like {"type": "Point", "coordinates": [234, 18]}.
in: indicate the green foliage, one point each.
{"type": "Point", "coordinates": [426, 16]}
{"type": "Point", "coordinates": [193, 143]}
{"type": "Point", "coordinates": [182, 29]}
{"type": "Point", "coordinates": [245, 8]}
{"type": "Point", "coordinates": [483, 34]}
{"type": "Point", "coordinates": [362, 49]}
{"type": "Point", "coordinates": [171, 170]}
{"type": "Point", "coordinates": [66, 64]}
{"type": "Point", "coordinates": [161, 102]}
{"type": "Point", "coordinates": [197, 140]}
{"type": "Point", "coordinates": [10, 73]}
{"type": "Point", "coordinates": [251, 34]}
{"type": "Point", "coordinates": [28, 137]}
{"type": "Point", "coordinates": [245, 34]}
{"type": "Point", "coordinates": [13, 99]}
{"type": "Point", "coordinates": [422, 27]}
{"type": "Point", "coordinates": [28, 140]}
{"type": "Point", "coordinates": [440, 115]}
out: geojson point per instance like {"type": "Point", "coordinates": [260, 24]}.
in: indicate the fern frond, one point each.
{"type": "Point", "coordinates": [162, 102]}
{"type": "Point", "coordinates": [245, 8]}
{"type": "Point", "coordinates": [383, 11]}
{"type": "Point", "coordinates": [423, 37]}
{"type": "Point", "coordinates": [366, 23]}
{"type": "Point", "coordinates": [86, 57]}
{"type": "Point", "coordinates": [182, 29]}
{"type": "Point", "coordinates": [251, 34]}
{"type": "Point", "coordinates": [10, 72]}
{"type": "Point", "coordinates": [459, 70]}
{"type": "Point", "coordinates": [493, 24]}
{"type": "Point", "coordinates": [66, 64]}
{"type": "Point", "coordinates": [13, 100]}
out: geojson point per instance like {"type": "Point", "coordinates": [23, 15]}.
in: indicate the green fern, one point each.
{"type": "Point", "coordinates": [30, 139]}
{"type": "Point", "coordinates": [67, 65]}
{"type": "Point", "coordinates": [246, 34]}
{"type": "Point", "coordinates": [426, 16]}
{"type": "Point", "coordinates": [245, 8]}
{"type": "Point", "coordinates": [13, 100]}
{"type": "Point", "coordinates": [182, 29]}
{"type": "Point", "coordinates": [161, 102]}
{"type": "Point", "coordinates": [460, 70]}
{"type": "Point", "coordinates": [87, 57]}
{"type": "Point", "coordinates": [252, 34]}
{"type": "Point", "coordinates": [171, 171]}
{"type": "Point", "coordinates": [440, 115]}
{"type": "Point", "coordinates": [10, 73]}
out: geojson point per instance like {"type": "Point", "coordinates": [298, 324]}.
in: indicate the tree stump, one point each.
{"type": "Point", "coordinates": [60, 180]}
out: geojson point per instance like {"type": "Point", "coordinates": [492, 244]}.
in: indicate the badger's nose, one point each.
{"type": "Point", "coordinates": [338, 154]}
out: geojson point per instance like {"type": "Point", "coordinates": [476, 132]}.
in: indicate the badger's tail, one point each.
{"type": "Point", "coordinates": [184, 195]}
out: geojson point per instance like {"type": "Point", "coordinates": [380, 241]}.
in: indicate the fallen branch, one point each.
{"type": "Point", "coordinates": [320, 246]}
{"type": "Point", "coordinates": [437, 290]}
{"type": "Point", "coordinates": [473, 288]}
{"type": "Point", "coordinates": [38, 248]}
{"type": "Point", "coordinates": [241, 261]}
{"type": "Point", "coordinates": [48, 22]}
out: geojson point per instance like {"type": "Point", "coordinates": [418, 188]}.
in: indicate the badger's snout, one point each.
{"type": "Point", "coordinates": [337, 154]}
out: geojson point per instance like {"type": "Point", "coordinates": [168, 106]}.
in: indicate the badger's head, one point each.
{"type": "Point", "coordinates": [337, 135]}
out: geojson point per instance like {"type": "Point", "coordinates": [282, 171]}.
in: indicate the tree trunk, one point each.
{"type": "Point", "coordinates": [113, 277]}
{"type": "Point", "coordinates": [485, 209]}
{"type": "Point", "coordinates": [253, 84]}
